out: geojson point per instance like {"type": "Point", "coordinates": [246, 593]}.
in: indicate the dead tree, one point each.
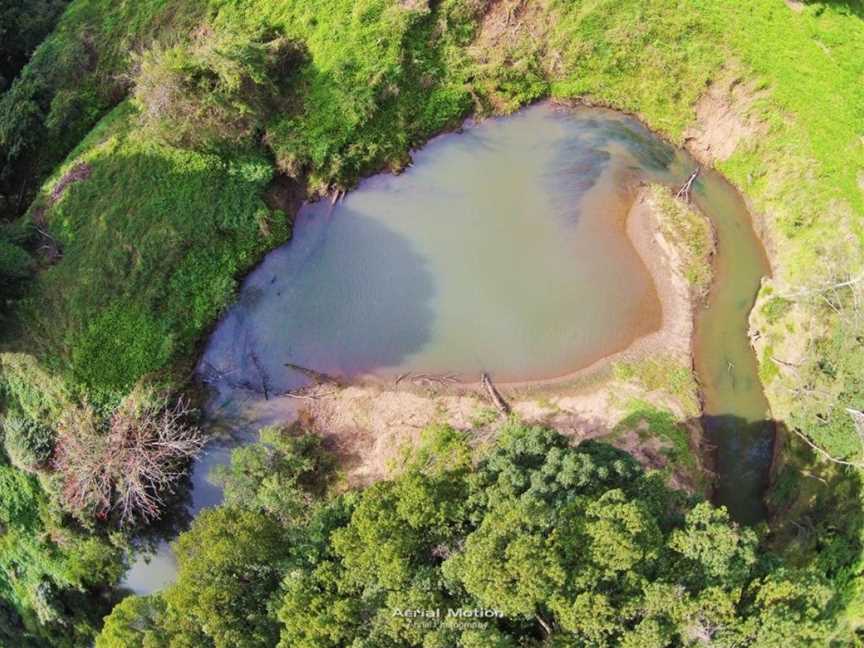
{"type": "Point", "coordinates": [684, 191]}
{"type": "Point", "coordinates": [128, 463]}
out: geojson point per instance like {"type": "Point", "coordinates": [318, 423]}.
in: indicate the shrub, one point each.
{"type": "Point", "coordinates": [28, 444]}
{"type": "Point", "coordinates": [15, 266]}
{"type": "Point", "coordinates": [22, 26]}
{"type": "Point", "coordinates": [280, 476]}
{"type": "Point", "coordinates": [118, 346]}
{"type": "Point", "coordinates": [220, 88]}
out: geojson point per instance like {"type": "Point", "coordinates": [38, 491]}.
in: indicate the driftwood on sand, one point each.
{"type": "Point", "coordinates": [494, 394]}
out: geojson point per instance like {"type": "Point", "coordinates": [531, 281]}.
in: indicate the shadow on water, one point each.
{"type": "Point", "coordinates": [739, 451]}
{"type": "Point", "coordinates": [363, 320]}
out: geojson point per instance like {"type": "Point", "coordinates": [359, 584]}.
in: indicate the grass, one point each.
{"type": "Point", "coordinates": [690, 234]}
{"type": "Point", "coordinates": [75, 77]}
{"type": "Point", "coordinates": [663, 373]}
{"type": "Point", "coordinates": [650, 422]}
{"type": "Point", "coordinates": [153, 242]}
{"type": "Point", "coordinates": [155, 237]}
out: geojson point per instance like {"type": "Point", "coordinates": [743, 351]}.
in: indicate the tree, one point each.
{"type": "Point", "coordinates": [135, 622]}
{"type": "Point", "coordinates": [127, 464]}
{"type": "Point", "coordinates": [23, 25]}
{"type": "Point", "coordinates": [789, 605]}
{"type": "Point", "coordinates": [230, 566]}
{"type": "Point", "coordinates": [716, 550]}
{"type": "Point", "coordinates": [573, 546]}
{"type": "Point", "coordinates": [281, 475]}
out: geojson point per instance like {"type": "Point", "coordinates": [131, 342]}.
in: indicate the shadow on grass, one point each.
{"type": "Point", "coordinates": [850, 7]}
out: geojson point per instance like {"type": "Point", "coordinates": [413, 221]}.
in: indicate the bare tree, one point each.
{"type": "Point", "coordinates": [127, 464]}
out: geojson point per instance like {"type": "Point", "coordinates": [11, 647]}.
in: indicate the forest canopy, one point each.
{"type": "Point", "coordinates": [560, 545]}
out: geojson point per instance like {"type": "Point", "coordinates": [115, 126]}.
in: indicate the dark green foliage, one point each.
{"type": "Point", "coordinates": [574, 546]}
{"type": "Point", "coordinates": [28, 443]}
{"type": "Point", "coordinates": [280, 476]}
{"type": "Point", "coordinates": [52, 576]}
{"type": "Point", "coordinates": [537, 465]}
{"type": "Point", "coordinates": [230, 565]}
{"type": "Point", "coordinates": [15, 266]}
{"type": "Point", "coordinates": [23, 25]}
{"type": "Point", "coordinates": [14, 262]}
{"type": "Point", "coordinates": [135, 622]}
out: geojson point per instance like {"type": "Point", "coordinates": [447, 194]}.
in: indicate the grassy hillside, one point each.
{"type": "Point", "coordinates": [141, 139]}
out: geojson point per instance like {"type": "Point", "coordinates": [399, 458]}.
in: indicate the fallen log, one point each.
{"type": "Point", "coordinates": [262, 376]}
{"type": "Point", "coordinates": [317, 376]}
{"type": "Point", "coordinates": [494, 394]}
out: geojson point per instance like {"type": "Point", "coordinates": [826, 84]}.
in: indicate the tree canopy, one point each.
{"type": "Point", "coordinates": [550, 544]}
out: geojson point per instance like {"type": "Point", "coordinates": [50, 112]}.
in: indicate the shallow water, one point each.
{"type": "Point", "coordinates": [501, 249]}
{"type": "Point", "coordinates": [735, 410]}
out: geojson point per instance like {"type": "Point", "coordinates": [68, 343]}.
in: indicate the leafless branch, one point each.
{"type": "Point", "coordinates": [684, 191]}
{"type": "Point", "coordinates": [128, 464]}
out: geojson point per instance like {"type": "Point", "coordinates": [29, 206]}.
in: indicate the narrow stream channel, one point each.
{"type": "Point", "coordinates": [501, 249]}
{"type": "Point", "coordinates": [735, 412]}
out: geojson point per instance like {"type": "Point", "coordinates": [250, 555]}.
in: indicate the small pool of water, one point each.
{"type": "Point", "coordinates": [501, 249]}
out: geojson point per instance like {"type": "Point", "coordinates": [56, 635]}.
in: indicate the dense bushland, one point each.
{"type": "Point", "coordinates": [572, 545]}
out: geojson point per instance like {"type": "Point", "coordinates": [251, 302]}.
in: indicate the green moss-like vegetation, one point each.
{"type": "Point", "coordinates": [650, 423]}
{"type": "Point", "coordinates": [663, 373]}
{"type": "Point", "coordinates": [139, 283]}
{"type": "Point", "coordinates": [690, 233]}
